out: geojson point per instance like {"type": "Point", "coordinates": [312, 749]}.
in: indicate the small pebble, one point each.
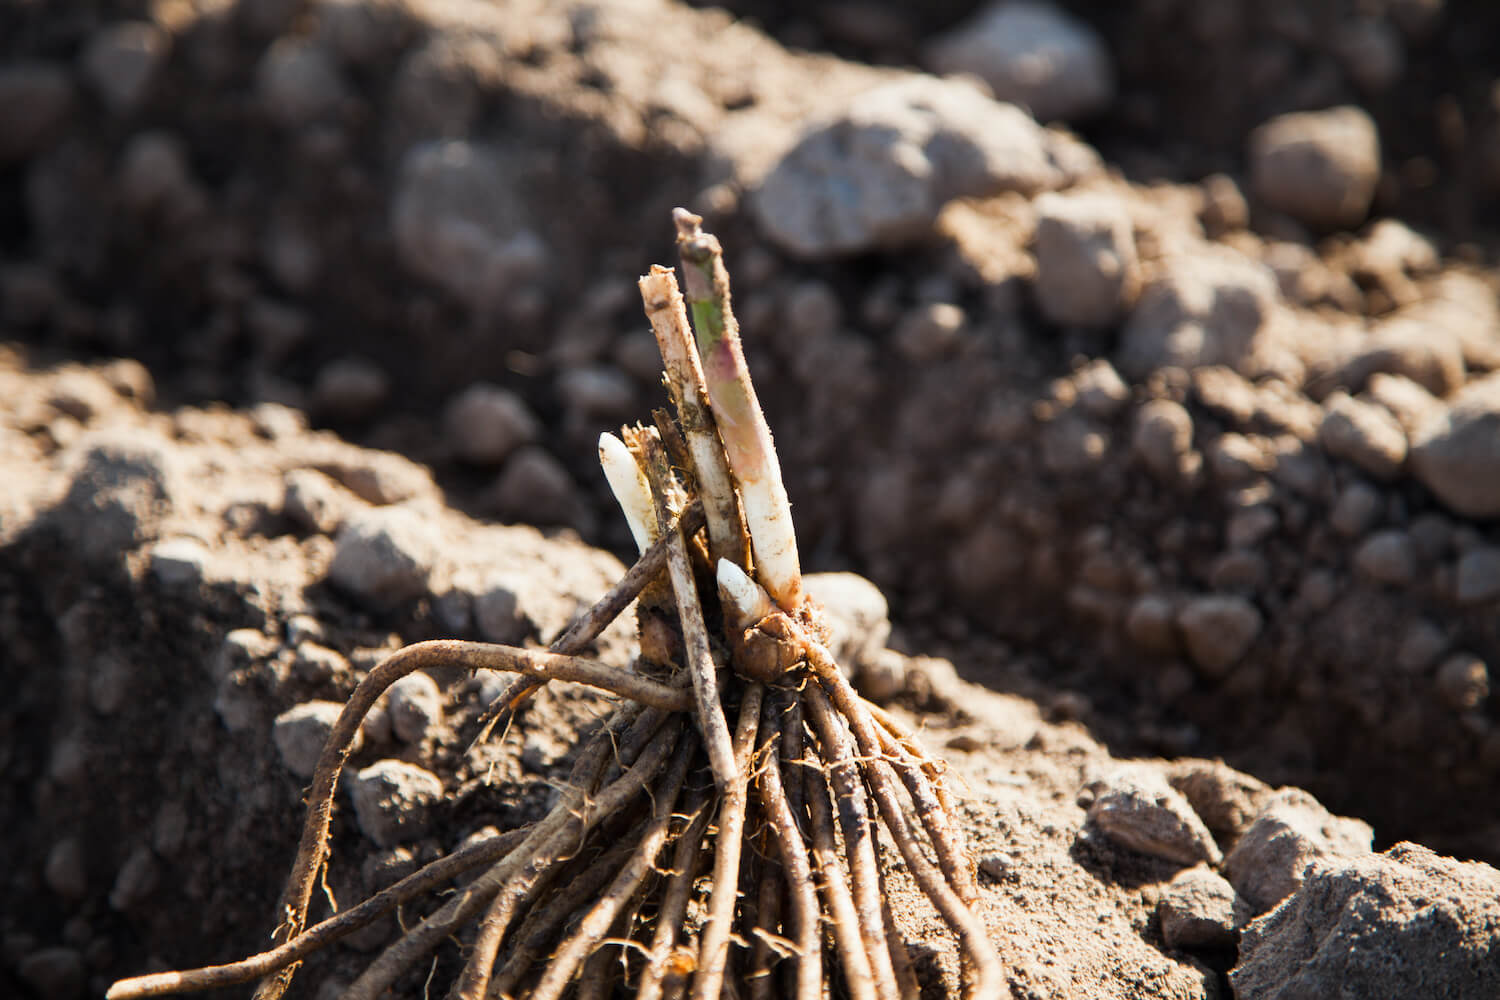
{"type": "Point", "coordinates": [1477, 579]}
{"type": "Point", "coordinates": [1087, 270]}
{"type": "Point", "coordinates": [415, 704]}
{"type": "Point", "coordinates": [1150, 624]}
{"type": "Point", "coordinates": [1198, 910]}
{"type": "Point", "coordinates": [137, 880]}
{"type": "Point", "coordinates": [298, 83]}
{"type": "Point", "coordinates": [1163, 440]}
{"type": "Point", "coordinates": [1101, 391]}
{"type": "Point", "coordinates": [1363, 434]}
{"type": "Point", "coordinates": [536, 488]}
{"type": "Point", "coordinates": [179, 562]}
{"type": "Point", "coordinates": [1421, 645]}
{"type": "Point", "coordinates": [1463, 680]}
{"type": "Point", "coordinates": [54, 973]}
{"type": "Point", "coordinates": [384, 554]}
{"type": "Point", "coordinates": [1357, 509]}
{"type": "Point", "coordinates": [485, 423]}
{"type": "Point", "coordinates": [1387, 557]}
{"type": "Point", "coordinates": [497, 610]}
{"type": "Point", "coordinates": [301, 732]}
{"type": "Point", "coordinates": [1218, 630]}
{"type": "Point", "coordinates": [64, 871]}
{"type": "Point", "coordinates": [393, 801]}
{"type": "Point", "coordinates": [1319, 167]}
{"type": "Point", "coordinates": [1137, 807]}
{"type": "Point", "coordinates": [1268, 861]}
{"type": "Point", "coordinates": [350, 389]}
{"type": "Point", "coordinates": [121, 61]}
{"type": "Point", "coordinates": [929, 332]}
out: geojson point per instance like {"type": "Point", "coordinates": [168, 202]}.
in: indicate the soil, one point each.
{"type": "Point", "coordinates": [238, 314]}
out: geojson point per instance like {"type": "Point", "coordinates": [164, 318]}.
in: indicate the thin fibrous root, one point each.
{"type": "Point", "coordinates": [597, 921]}
{"type": "Point", "coordinates": [713, 944]}
{"type": "Point", "coordinates": [806, 932]}
{"type": "Point", "coordinates": [552, 839]}
{"type": "Point", "coordinates": [674, 901]}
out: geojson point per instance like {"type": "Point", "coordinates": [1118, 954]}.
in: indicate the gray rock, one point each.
{"type": "Point", "coordinates": [497, 609]}
{"type": "Point", "coordinates": [536, 488]}
{"type": "Point", "coordinates": [156, 177]}
{"type": "Point", "coordinates": [1478, 576]}
{"type": "Point", "coordinates": [317, 664]}
{"type": "Point", "coordinates": [1163, 440]}
{"type": "Point", "coordinates": [1150, 624]}
{"type": "Point", "coordinates": [1100, 390]}
{"type": "Point", "coordinates": [179, 562]}
{"type": "Point", "coordinates": [1293, 829]}
{"type": "Point", "coordinates": [54, 973]}
{"type": "Point", "coordinates": [1371, 53]}
{"type": "Point", "coordinates": [121, 61]}
{"type": "Point", "coordinates": [1388, 557]}
{"type": "Point", "coordinates": [485, 423]}
{"type": "Point", "coordinates": [121, 489]}
{"type": "Point", "coordinates": [415, 704]}
{"type": "Point", "coordinates": [1031, 54]}
{"type": "Point", "coordinates": [1363, 434]}
{"type": "Point", "coordinates": [384, 555]}
{"type": "Point", "coordinates": [593, 394]}
{"type": "Point", "coordinates": [315, 502]}
{"type": "Point", "coordinates": [350, 388]}
{"type": "Point", "coordinates": [1087, 270]}
{"type": "Point", "coordinates": [36, 100]}
{"type": "Point", "coordinates": [1405, 923]}
{"type": "Point", "coordinates": [438, 90]}
{"type": "Point", "coordinates": [458, 224]}
{"type": "Point", "coordinates": [364, 32]}
{"type": "Point", "coordinates": [1421, 644]}
{"type": "Point", "coordinates": [1456, 452]}
{"type": "Point", "coordinates": [1463, 682]}
{"type": "Point", "coordinates": [298, 83]}
{"type": "Point", "coordinates": [1136, 807]}
{"type": "Point", "coordinates": [1356, 510]}
{"type": "Point", "coordinates": [1218, 629]}
{"type": "Point", "coordinates": [1225, 799]}
{"type": "Point", "coordinates": [1213, 306]}
{"type": "Point", "coordinates": [858, 615]}
{"type": "Point", "coordinates": [136, 880]}
{"type": "Point", "coordinates": [929, 332]}
{"type": "Point", "coordinates": [65, 871]}
{"type": "Point", "coordinates": [1407, 344]}
{"type": "Point", "coordinates": [1319, 167]}
{"type": "Point", "coordinates": [301, 732]}
{"type": "Point", "coordinates": [876, 175]}
{"type": "Point", "coordinates": [393, 801]}
{"type": "Point", "coordinates": [1405, 400]}
{"type": "Point", "coordinates": [1199, 910]}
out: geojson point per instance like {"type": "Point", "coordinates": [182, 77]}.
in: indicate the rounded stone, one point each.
{"type": "Point", "coordinates": [1087, 270]}
{"type": "Point", "coordinates": [393, 801]}
{"type": "Point", "coordinates": [485, 423]}
{"type": "Point", "coordinates": [301, 732]}
{"type": "Point", "coordinates": [415, 704]}
{"type": "Point", "coordinates": [1218, 630]}
{"type": "Point", "coordinates": [1319, 167]}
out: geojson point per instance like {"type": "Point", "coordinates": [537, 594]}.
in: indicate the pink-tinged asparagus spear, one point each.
{"type": "Point", "coordinates": [742, 425]}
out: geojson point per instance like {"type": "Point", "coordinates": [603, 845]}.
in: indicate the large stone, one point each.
{"type": "Point", "coordinates": [1087, 271]}
{"type": "Point", "coordinates": [1210, 306]}
{"type": "Point", "coordinates": [876, 174]}
{"type": "Point", "coordinates": [1406, 923]}
{"type": "Point", "coordinates": [1269, 860]}
{"type": "Point", "coordinates": [1032, 54]}
{"type": "Point", "coordinates": [1456, 452]}
{"type": "Point", "coordinates": [1320, 167]}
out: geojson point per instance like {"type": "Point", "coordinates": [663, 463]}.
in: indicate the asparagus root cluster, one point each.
{"type": "Point", "coordinates": [728, 829]}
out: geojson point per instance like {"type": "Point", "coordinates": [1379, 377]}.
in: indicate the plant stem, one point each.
{"type": "Point", "coordinates": [742, 425]}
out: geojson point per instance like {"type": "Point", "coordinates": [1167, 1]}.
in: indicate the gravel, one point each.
{"type": "Point", "coordinates": [1319, 167]}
